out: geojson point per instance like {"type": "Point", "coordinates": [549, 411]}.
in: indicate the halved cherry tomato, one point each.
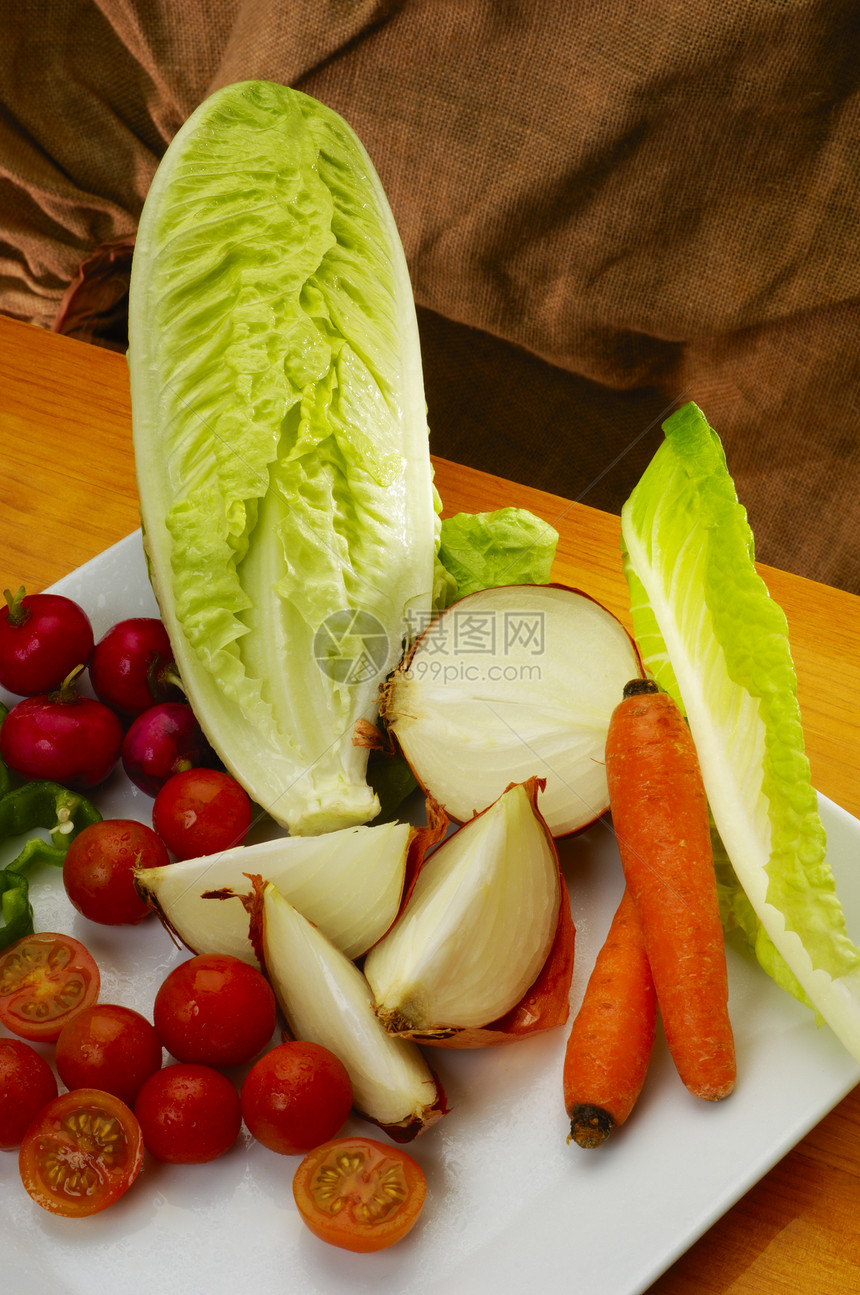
{"type": "Point", "coordinates": [81, 1153]}
{"type": "Point", "coordinates": [45, 979]}
{"type": "Point", "coordinates": [358, 1193]}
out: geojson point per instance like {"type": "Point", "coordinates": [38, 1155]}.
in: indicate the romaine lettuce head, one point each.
{"type": "Point", "coordinates": [713, 637]}
{"type": "Point", "coordinates": [281, 441]}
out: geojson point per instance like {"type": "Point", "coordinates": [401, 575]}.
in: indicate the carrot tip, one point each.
{"type": "Point", "coordinates": [590, 1126]}
{"type": "Point", "coordinates": [712, 1092]}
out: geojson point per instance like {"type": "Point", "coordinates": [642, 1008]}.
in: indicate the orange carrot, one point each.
{"type": "Point", "coordinates": [611, 1039]}
{"type": "Point", "coordinates": [660, 814]}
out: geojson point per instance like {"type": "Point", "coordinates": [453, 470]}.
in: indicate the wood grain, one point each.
{"type": "Point", "coordinates": [68, 488]}
{"type": "Point", "coordinates": [68, 491]}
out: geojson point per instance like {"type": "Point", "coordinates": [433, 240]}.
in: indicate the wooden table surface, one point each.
{"type": "Point", "coordinates": [68, 491]}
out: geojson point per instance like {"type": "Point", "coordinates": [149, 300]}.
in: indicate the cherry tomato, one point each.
{"type": "Point", "coordinates": [62, 736]}
{"type": "Point", "coordinates": [162, 741]}
{"type": "Point", "coordinates": [42, 638]}
{"type": "Point", "coordinates": [189, 1114]}
{"type": "Point", "coordinates": [45, 979]}
{"type": "Point", "coordinates": [295, 1097]}
{"type": "Point", "coordinates": [132, 666]}
{"type": "Point", "coordinates": [27, 1083]}
{"type": "Point", "coordinates": [82, 1153]}
{"type": "Point", "coordinates": [109, 1047]}
{"type": "Point", "coordinates": [215, 1010]}
{"type": "Point", "coordinates": [358, 1193]}
{"type": "Point", "coordinates": [201, 811]}
{"type": "Point", "coordinates": [98, 869]}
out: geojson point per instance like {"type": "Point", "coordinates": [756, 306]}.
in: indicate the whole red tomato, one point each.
{"type": "Point", "coordinates": [98, 869]}
{"type": "Point", "coordinates": [295, 1097]}
{"type": "Point", "coordinates": [27, 1083]}
{"type": "Point", "coordinates": [201, 811]}
{"type": "Point", "coordinates": [110, 1047]}
{"type": "Point", "coordinates": [43, 637]}
{"type": "Point", "coordinates": [62, 736]}
{"type": "Point", "coordinates": [215, 1010]}
{"type": "Point", "coordinates": [189, 1114]}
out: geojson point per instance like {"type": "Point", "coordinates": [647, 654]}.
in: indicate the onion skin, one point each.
{"type": "Point", "coordinates": [421, 844]}
{"type": "Point", "coordinates": [409, 1131]}
{"type": "Point", "coordinates": [161, 915]}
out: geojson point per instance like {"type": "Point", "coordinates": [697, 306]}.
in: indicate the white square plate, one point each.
{"type": "Point", "coordinates": [510, 1205]}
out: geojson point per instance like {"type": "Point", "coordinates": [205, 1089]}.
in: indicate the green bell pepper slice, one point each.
{"type": "Point", "coordinates": [57, 810]}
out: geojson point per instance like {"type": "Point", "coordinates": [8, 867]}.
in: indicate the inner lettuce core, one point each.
{"type": "Point", "coordinates": [280, 439]}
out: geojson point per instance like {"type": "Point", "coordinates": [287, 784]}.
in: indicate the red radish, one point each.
{"type": "Point", "coordinates": [132, 666]}
{"type": "Point", "coordinates": [62, 736]}
{"type": "Point", "coordinates": [42, 638]}
{"type": "Point", "coordinates": [163, 741]}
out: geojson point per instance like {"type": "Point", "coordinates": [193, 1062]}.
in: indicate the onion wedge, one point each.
{"type": "Point", "coordinates": [509, 683]}
{"type": "Point", "coordinates": [544, 1006]}
{"type": "Point", "coordinates": [348, 882]}
{"type": "Point", "coordinates": [478, 926]}
{"type": "Point", "coordinates": [325, 999]}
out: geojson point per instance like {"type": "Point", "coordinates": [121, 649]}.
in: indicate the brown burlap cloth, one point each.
{"type": "Point", "coordinates": [607, 207]}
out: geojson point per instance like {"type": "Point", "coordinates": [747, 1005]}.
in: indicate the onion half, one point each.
{"type": "Point", "coordinates": [477, 928]}
{"type": "Point", "coordinates": [510, 683]}
{"type": "Point", "coordinates": [325, 999]}
{"type": "Point", "coordinates": [349, 883]}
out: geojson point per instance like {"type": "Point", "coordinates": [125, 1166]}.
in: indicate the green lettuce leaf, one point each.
{"type": "Point", "coordinates": [507, 547]}
{"type": "Point", "coordinates": [713, 637]}
{"type": "Point", "coordinates": [280, 441]}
